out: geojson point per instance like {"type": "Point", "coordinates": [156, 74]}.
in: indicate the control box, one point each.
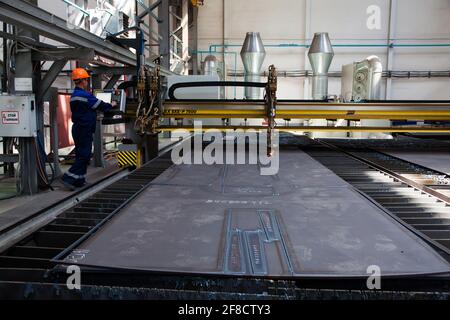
{"type": "Point", "coordinates": [18, 116]}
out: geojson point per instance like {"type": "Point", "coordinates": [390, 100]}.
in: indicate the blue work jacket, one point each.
{"type": "Point", "coordinates": [84, 107]}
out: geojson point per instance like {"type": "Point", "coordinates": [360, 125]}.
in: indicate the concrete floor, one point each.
{"type": "Point", "coordinates": [14, 209]}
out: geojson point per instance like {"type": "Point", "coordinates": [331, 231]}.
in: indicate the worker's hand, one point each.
{"type": "Point", "coordinates": [114, 104]}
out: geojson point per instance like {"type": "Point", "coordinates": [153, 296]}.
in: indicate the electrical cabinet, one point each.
{"type": "Point", "coordinates": [18, 116]}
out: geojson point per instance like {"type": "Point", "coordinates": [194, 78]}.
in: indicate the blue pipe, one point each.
{"type": "Point", "coordinates": [213, 47]}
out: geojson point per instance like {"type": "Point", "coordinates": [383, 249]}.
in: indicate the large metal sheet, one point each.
{"type": "Point", "coordinates": [230, 220]}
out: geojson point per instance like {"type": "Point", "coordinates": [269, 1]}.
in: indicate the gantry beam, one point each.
{"type": "Point", "coordinates": [289, 109]}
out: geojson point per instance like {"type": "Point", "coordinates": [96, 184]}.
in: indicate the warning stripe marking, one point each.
{"type": "Point", "coordinates": [127, 158]}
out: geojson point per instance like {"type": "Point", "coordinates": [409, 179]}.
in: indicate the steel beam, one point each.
{"type": "Point", "coordinates": [112, 81]}
{"type": "Point", "coordinates": [79, 54]}
{"type": "Point", "coordinates": [114, 70]}
{"type": "Point", "coordinates": [149, 10]}
{"type": "Point", "coordinates": [28, 16]}
{"type": "Point", "coordinates": [25, 40]}
{"type": "Point", "coordinates": [49, 78]}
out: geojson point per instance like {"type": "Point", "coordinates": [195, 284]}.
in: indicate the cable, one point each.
{"type": "Point", "coordinates": [42, 149]}
{"type": "Point", "coordinates": [40, 164]}
{"type": "Point", "coordinates": [17, 176]}
{"type": "Point", "coordinates": [395, 74]}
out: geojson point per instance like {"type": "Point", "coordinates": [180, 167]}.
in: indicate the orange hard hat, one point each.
{"type": "Point", "coordinates": [80, 73]}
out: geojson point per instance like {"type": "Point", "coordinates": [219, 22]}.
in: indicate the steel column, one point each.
{"type": "Point", "coordinates": [390, 51]}
{"type": "Point", "coordinates": [27, 150]}
{"type": "Point", "coordinates": [114, 70]}
{"type": "Point", "coordinates": [79, 54]}
{"type": "Point", "coordinates": [194, 31]}
{"type": "Point", "coordinates": [52, 94]}
{"type": "Point", "coordinates": [99, 161]}
{"type": "Point", "coordinates": [185, 37]}
{"type": "Point", "coordinates": [164, 31]}
{"type": "Point", "coordinates": [308, 34]}
{"type": "Point", "coordinates": [4, 60]}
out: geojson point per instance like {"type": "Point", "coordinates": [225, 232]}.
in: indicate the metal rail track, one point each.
{"type": "Point", "coordinates": [407, 191]}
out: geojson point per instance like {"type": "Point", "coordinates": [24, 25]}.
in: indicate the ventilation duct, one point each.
{"type": "Point", "coordinates": [253, 54]}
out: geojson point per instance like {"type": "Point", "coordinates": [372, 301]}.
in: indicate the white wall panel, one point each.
{"type": "Point", "coordinates": [285, 21]}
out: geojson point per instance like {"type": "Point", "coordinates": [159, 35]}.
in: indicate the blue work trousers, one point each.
{"type": "Point", "coordinates": [83, 138]}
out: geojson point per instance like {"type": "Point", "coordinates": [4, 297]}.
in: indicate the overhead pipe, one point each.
{"type": "Point", "coordinates": [400, 74]}
{"type": "Point", "coordinates": [213, 47]}
{"type": "Point", "coordinates": [213, 51]}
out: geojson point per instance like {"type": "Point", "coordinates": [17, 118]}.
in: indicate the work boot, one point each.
{"type": "Point", "coordinates": [67, 185]}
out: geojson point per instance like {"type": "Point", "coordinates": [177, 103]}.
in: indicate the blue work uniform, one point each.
{"type": "Point", "coordinates": [84, 107]}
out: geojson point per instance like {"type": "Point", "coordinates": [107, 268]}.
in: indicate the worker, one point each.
{"type": "Point", "coordinates": [84, 107]}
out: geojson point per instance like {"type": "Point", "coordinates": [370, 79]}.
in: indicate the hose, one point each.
{"type": "Point", "coordinates": [176, 86]}
{"type": "Point", "coordinates": [42, 148]}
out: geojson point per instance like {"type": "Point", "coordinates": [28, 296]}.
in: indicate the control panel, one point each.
{"type": "Point", "coordinates": [18, 116]}
{"type": "Point", "coordinates": [116, 115]}
{"type": "Point", "coordinates": [109, 96]}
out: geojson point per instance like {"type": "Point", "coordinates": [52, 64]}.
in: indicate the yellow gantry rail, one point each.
{"type": "Point", "coordinates": [292, 110]}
